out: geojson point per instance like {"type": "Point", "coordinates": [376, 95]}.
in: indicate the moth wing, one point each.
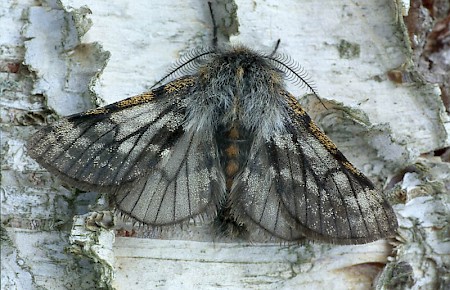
{"type": "Point", "coordinates": [185, 183]}
{"type": "Point", "coordinates": [256, 200]}
{"type": "Point", "coordinates": [308, 180]}
{"type": "Point", "coordinates": [105, 147]}
{"type": "Point", "coordinates": [138, 150]}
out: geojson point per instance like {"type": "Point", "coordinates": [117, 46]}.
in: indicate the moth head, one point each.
{"type": "Point", "coordinates": [240, 66]}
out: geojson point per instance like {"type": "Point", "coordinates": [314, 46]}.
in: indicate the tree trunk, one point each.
{"type": "Point", "coordinates": [381, 70]}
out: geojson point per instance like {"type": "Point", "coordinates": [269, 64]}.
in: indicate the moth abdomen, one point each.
{"type": "Point", "coordinates": [233, 146]}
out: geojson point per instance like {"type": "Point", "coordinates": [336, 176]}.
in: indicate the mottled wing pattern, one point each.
{"type": "Point", "coordinates": [136, 148]}
{"type": "Point", "coordinates": [310, 189]}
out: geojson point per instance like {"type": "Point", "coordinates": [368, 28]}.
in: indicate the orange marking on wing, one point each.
{"type": "Point", "coordinates": [294, 104]}
{"type": "Point", "coordinates": [136, 100]}
{"type": "Point", "coordinates": [350, 167]}
{"type": "Point", "coordinates": [322, 138]}
{"type": "Point", "coordinates": [177, 85]}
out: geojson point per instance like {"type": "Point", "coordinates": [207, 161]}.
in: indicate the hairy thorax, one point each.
{"type": "Point", "coordinates": [241, 90]}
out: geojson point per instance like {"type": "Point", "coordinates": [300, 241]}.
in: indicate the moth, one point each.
{"type": "Point", "coordinates": [226, 141]}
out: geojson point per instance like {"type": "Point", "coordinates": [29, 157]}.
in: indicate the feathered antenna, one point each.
{"type": "Point", "coordinates": [186, 64]}
{"type": "Point", "coordinates": [293, 70]}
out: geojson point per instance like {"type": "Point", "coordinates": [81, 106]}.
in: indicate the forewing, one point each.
{"type": "Point", "coordinates": [138, 150]}
{"type": "Point", "coordinates": [105, 147]}
{"type": "Point", "coordinates": [307, 179]}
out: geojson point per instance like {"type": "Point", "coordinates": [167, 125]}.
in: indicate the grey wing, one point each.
{"type": "Point", "coordinates": [329, 198]}
{"type": "Point", "coordinates": [256, 200]}
{"type": "Point", "coordinates": [102, 148]}
{"type": "Point", "coordinates": [138, 150]}
{"type": "Point", "coordinates": [183, 184]}
{"type": "Point", "coordinates": [299, 184]}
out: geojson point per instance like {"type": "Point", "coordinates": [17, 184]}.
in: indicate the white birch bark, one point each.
{"type": "Point", "coordinates": [70, 55]}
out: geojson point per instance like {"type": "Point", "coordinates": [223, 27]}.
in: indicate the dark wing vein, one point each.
{"type": "Point", "coordinates": [101, 150]}
{"type": "Point", "coordinates": [182, 185]}
{"type": "Point", "coordinates": [298, 184]}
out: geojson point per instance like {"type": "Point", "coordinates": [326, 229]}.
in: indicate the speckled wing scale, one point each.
{"type": "Point", "coordinates": [227, 142]}
{"type": "Point", "coordinates": [137, 150]}
{"type": "Point", "coordinates": [299, 184]}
